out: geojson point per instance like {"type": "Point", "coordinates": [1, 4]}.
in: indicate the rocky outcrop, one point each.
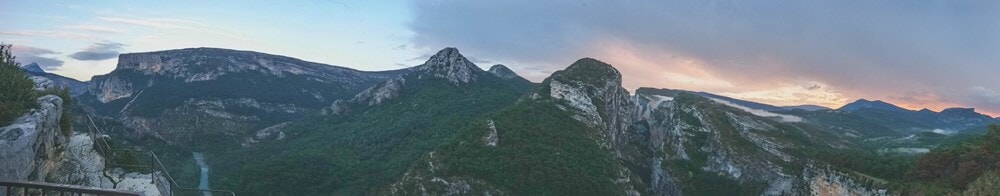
{"type": "Point", "coordinates": [591, 90]}
{"type": "Point", "coordinates": [272, 133]}
{"type": "Point", "coordinates": [825, 181]}
{"type": "Point", "coordinates": [83, 165]}
{"type": "Point", "coordinates": [110, 89]}
{"type": "Point", "coordinates": [424, 180]}
{"type": "Point", "coordinates": [381, 92]}
{"type": "Point", "coordinates": [33, 148]}
{"type": "Point", "coordinates": [30, 147]}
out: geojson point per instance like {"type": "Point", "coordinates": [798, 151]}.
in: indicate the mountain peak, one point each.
{"type": "Point", "coordinates": [594, 89]}
{"type": "Point", "coordinates": [868, 104]}
{"type": "Point", "coordinates": [592, 71]}
{"type": "Point", "coordinates": [806, 107]}
{"type": "Point", "coordinates": [451, 65]}
{"type": "Point", "coordinates": [33, 68]}
{"type": "Point", "coordinates": [502, 71]}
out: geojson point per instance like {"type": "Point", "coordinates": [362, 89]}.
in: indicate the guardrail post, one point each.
{"type": "Point", "coordinates": [152, 170]}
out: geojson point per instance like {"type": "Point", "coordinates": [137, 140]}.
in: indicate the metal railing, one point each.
{"type": "Point", "coordinates": [154, 166]}
{"type": "Point", "coordinates": [41, 188]}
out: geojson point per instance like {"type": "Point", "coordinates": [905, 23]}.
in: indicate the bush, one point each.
{"type": "Point", "coordinates": [17, 93]}
{"type": "Point", "coordinates": [66, 122]}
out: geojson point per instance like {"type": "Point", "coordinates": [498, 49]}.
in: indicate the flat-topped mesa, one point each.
{"type": "Point", "coordinates": [969, 113]}
{"type": "Point", "coordinates": [451, 65]}
{"type": "Point", "coordinates": [199, 64]}
{"type": "Point", "coordinates": [501, 71]}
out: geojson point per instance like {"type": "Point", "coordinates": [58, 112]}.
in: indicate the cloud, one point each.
{"type": "Point", "coordinates": [163, 23]}
{"type": "Point", "coordinates": [173, 24]}
{"type": "Point", "coordinates": [99, 51]}
{"type": "Point", "coordinates": [985, 95]}
{"type": "Point", "coordinates": [94, 28]}
{"type": "Point", "coordinates": [866, 49]}
{"type": "Point", "coordinates": [50, 34]}
{"type": "Point", "coordinates": [28, 54]}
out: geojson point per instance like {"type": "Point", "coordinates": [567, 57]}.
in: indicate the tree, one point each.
{"type": "Point", "coordinates": [17, 92]}
{"type": "Point", "coordinates": [987, 184]}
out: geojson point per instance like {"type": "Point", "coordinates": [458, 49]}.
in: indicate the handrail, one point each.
{"type": "Point", "coordinates": [155, 161]}
{"type": "Point", "coordinates": [61, 188]}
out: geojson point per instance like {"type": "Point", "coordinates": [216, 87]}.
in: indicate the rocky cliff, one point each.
{"type": "Point", "coordinates": [822, 180]}
{"type": "Point", "coordinates": [33, 148]}
{"type": "Point", "coordinates": [30, 148]}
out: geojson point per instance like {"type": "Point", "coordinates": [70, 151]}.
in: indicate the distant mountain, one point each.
{"type": "Point", "coordinates": [32, 68]}
{"type": "Point", "coordinates": [910, 121]}
{"type": "Point", "coordinates": [76, 87]}
{"type": "Point", "coordinates": [517, 81]}
{"type": "Point", "coordinates": [502, 71]}
{"type": "Point", "coordinates": [877, 105]}
{"type": "Point", "coordinates": [806, 107]}
{"type": "Point", "coordinates": [745, 103]}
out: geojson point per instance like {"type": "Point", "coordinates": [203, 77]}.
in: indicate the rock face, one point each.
{"type": "Point", "coordinates": [593, 90]}
{"type": "Point", "coordinates": [83, 165]}
{"type": "Point", "coordinates": [381, 92]}
{"type": "Point", "coordinates": [31, 146]}
{"type": "Point", "coordinates": [181, 95]}
{"type": "Point", "coordinates": [34, 149]}
{"type": "Point", "coordinates": [824, 181]}
{"type": "Point", "coordinates": [686, 129]}
{"type": "Point", "coordinates": [451, 65]}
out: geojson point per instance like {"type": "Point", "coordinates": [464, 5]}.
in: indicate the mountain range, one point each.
{"type": "Point", "coordinates": [447, 127]}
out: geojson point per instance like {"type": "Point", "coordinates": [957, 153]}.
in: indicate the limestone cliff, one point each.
{"type": "Point", "coordinates": [33, 148]}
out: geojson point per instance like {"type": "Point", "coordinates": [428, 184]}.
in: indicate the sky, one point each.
{"type": "Point", "coordinates": [913, 53]}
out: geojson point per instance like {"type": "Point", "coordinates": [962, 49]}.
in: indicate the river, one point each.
{"type": "Point", "coordinates": [203, 180]}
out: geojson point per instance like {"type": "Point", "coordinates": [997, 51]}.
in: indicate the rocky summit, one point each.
{"type": "Point", "coordinates": [449, 64]}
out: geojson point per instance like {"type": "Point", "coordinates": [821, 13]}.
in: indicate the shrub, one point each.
{"type": "Point", "coordinates": [66, 122]}
{"type": "Point", "coordinates": [17, 93]}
